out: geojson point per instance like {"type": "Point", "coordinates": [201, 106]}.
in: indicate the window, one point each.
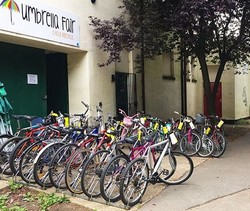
{"type": "Point", "coordinates": [168, 66]}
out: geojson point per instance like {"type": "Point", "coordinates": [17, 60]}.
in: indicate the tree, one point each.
{"type": "Point", "coordinates": [215, 31]}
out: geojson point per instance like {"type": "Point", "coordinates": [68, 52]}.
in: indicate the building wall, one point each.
{"type": "Point", "coordinates": [163, 96]}
{"type": "Point", "coordinates": [87, 82]}
{"type": "Point", "coordinates": [235, 92]}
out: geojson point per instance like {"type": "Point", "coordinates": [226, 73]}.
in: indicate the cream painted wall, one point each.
{"type": "Point", "coordinates": [163, 97]}
{"type": "Point", "coordinates": [241, 95]}
{"type": "Point", "coordinates": [228, 94]}
{"type": "Point", "coordinates": [87, 81]}
{"type": "Point", "coordinates": [235, 93]}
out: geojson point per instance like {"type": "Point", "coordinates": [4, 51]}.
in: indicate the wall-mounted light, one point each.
{"type": "Point", "coordinates": [113, 78]}
{"type": "Point", "coordinates": [93, 1]}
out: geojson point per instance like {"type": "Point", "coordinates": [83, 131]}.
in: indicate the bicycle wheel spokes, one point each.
{"type": "Point", "coordinates": [92, 172]}
{"type": "Point", "coordinates": [42, 164]}
{"type": "Point", "coordinates": [74, 171]}
{"type": "Point", "coordinates": [207, 147]}
{"type": "Point", "coordinates": [134, 182]}
{"type": "Point", "coordinates": [110, 179]}
{"type": "Point", "coordinates": [17, 152]}
{"type": "Point", "coordinates": [219, 144]}
{"type": "Point", "coordinates": [190, 143]}
{"type": "Point", "coordinates": [5, 151]}
{"type": "Point", "coordinates": [58, 165]}
{"type": "Point", "coordinates": [26, 165]}
{"type": "Point", "coordinates": [176, 168]}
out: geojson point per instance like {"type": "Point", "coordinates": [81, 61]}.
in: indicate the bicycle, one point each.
{"type": "Point", "coordinates": [93, 167]}
{"type": "Point", "coordinates": [149, 168]}
{"type": "Point", "coordinates": [213, 126]}
{"type": "Point", "coordinates": [190, 140]}
{"type": "Point", "coordinates": [207, 144]}
{"type": "Point", "coordinates": [8, 146]}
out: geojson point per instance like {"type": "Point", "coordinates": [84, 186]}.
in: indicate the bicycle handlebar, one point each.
{"type": "Point", "coordinates": [125, 115]}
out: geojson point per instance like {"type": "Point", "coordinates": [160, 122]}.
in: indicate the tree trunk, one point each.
{"type": "Point", "coordinates": [206, 84]}
{"type": "Point", "coordinates": [218, 78]}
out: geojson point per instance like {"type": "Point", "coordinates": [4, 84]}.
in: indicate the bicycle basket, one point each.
{"type": "Point", "coordinates": [127, 121]}
{"type": "Point", "coordinates": [200, 119]}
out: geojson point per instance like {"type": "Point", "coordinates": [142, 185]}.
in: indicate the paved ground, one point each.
{"type": "Point", "coordinates": [216, 184]}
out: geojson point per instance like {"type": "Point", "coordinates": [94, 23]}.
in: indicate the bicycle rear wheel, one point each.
{"type": "Point", "coordinates": [134, 182]}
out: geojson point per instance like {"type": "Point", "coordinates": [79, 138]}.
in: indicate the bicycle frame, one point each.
{"type": "Point", "coordinates": [149, 154]}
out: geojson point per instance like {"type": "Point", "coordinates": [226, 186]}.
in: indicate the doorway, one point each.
{"type": "Point", "coordinates": [218, 101]}
{"type": "Point", "coordinates": [57, 82]}
{"type": "Point", "coordinates": [126, 95]}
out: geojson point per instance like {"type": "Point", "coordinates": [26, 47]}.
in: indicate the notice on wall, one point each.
{"type": "Point", "coordinates": [32, 79]}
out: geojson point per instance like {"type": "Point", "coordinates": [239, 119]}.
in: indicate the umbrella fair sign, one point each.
{"type": "Point", "coordinates": [38, 20]}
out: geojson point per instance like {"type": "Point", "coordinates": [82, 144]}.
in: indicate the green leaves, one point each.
{"type": "Point", "coordinates": [47, 200]}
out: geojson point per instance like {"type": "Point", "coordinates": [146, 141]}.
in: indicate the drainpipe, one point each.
{"type": "Point", "coordinates": [183, 80]}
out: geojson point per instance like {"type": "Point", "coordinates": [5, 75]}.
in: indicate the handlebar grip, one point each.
{"type": "Point", "coordinates": [85, 104]}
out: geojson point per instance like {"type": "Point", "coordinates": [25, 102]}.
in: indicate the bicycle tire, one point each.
{"type": "Point", "coordinates": [207, 147]}
{"type": "Point", "coordinates": [190, 143]}
{"type": "Point", "coordinates": [58, 165]}
{"type": "Point", "coordinates": [42, 163]}
{"type": "Point", "coordinates": [181, 165]}
{"type": "Point", "coordinates": [73, 170]}
{"type": "Point", "coordinates": [135, 175]}
{"type": "Point", "coordinates": [5, 150]}
{"type": "Point", "coordinates": [220, 144]}
{"type": "Point", "coordinates": [17, 153]}
{"type": "Point", "coordinates": [26, 164]}
{"type": "Point", "coordinates": [91, 173]}
{"type": "Point", "coordinates": [110, 178]}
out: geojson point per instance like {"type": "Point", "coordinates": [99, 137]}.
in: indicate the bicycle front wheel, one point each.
{"type": "Point", "coordinates": [190, 143]}
{"type": "Point", "coordinates": [5, 150]}
{"type": "Point", "coordinates": [207, 147]}
{"type": "Point", "coordinates": [73, 170]}
{"type": "Point", "coordinates": [58, 165]}
{"type": "Point", "coordinates": [176, 167]}
{"type": "Point", "coordinates": [26, 165]}
{"type": "Point", "coordinates": [134, 182]}
{"type": "Point", "coordinates": [110, 179]}
{"type": "Point", "coordinates": [42, 164]}
{"type": "Point", "coordinates": [92, 171]}
{"type": "Point", "coordinates": [220, 144]}
{"type": "Point", "coordinates": [17, 152]}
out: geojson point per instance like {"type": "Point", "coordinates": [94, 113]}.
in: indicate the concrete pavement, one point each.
{"type": "Point", "coordinates": [217, 184]}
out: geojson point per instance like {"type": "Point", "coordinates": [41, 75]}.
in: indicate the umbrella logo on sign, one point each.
{"type": "Point", "coordinates": [12, 5]}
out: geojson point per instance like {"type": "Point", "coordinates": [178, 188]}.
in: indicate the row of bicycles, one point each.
{"type": "Point", "coordinates": [202, 135]}
{"type": "Point", "coordinates": [115, 160]}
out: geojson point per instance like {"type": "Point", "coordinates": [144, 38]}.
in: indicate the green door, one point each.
{"type": "Point", "coordinates": [126, 97]}
{"type": "Point", "coordinates": [22, 70]}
